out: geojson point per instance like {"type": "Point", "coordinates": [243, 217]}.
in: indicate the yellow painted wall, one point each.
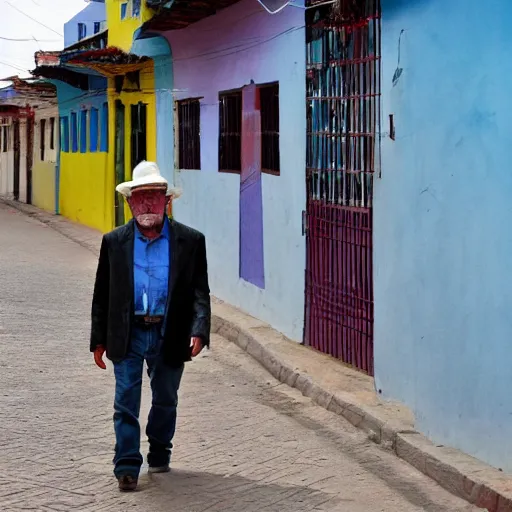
{"type": "Point", "coordinates": [43, 185]}
{"type": "Point", "coordinates": [86, 189]}
{"type": "Point", "coordinates": [120, 32]}
{"type": "Point", "coordinates": [145, 95]}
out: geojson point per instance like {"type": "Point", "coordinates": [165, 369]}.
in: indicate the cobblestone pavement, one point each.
{"type": "Point", "coordinates": [244, 443]}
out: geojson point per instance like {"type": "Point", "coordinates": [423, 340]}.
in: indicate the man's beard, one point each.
{"type": "Point", "coordinates": [149, 220]}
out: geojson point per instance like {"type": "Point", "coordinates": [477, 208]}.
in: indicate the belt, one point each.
{"type": "Point", "coordinates": [148, 320]}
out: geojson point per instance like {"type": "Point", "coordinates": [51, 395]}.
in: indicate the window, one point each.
{"type": "Point", "coordinates": [189, 134]}
{"type": "Point", "coordinates": [138, 133]}
{"type": "Point", "coordinates": [269, 110]}
{"type": "Point", "coordinates": [124, 10]}
{"type": "Point", "coordinates": [82, 31]}
{"type": "Point", "coordinates": [135, 8]}
{"type": "Point", "coordinates": [42, 137]}
{"type": "Point", "coordinates": [52, 132]}
{"type": "Point", "coordinates": [93, 131]}
{"type": "Point", "coordinates": [104, 128]}
{"type": "Point", "coordinates": [230, 132]}
{"type": "Point", "coordinates": [5, 138]}
{"type": "Point", "coordinates": [74, 132]}
{"type": "Point", "coordinates": [64, 134]}
{"type": "Point", "coordinates": [83, 131]}
{"type": "Point", "coordinates": [97, 27]}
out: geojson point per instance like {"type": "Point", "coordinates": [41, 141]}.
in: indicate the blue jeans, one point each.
{"type": "Point", "coordinates": [146, 345]}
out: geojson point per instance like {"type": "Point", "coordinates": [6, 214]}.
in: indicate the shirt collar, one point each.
{"type": "Point", "coordinates": [165, 233]}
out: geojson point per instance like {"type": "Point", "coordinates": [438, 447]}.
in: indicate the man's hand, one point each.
{"type": "Point", "coordinates": [98, 357]}
{"type": "Point", "coordinates": [197, 346]}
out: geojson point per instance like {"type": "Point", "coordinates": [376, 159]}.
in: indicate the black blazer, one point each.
{"type": "Point", "coordinates": [188, 304]}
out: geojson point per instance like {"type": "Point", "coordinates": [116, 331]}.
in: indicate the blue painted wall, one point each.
{"type": "Point", "coordinates": [443, 284]}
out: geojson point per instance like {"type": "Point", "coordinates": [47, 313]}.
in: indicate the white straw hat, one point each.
{"type": "Point", "coordinates": [146, 173]}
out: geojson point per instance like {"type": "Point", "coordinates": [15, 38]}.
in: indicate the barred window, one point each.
{"type": "Point", "coordinates": [64, 134]}
{"type": "Point", "coordinates": [5, 139]}
{"type": "Point", "coordinates": [269, 110]}
{"type": "Point", "coordinates": [230, 132]}
{"type": "Point", "coordinates": [42, 138]}
{"type": "Point", "coordinates": [189, 134]}
{"type": "Point", "coordinates": [52, 133]}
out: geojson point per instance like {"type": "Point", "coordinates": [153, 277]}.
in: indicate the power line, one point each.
{"type": "Point", "coordinates": [13, 66]}
{"type": "Point", "coordinates": [29, 39]}
{"type": "Point", "coordinates": [33, 19]}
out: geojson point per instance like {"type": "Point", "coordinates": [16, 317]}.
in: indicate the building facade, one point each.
{"type": "Point", "coordinates": [44, 160]}
{"type": "Point", "coordinates": [27, 166]}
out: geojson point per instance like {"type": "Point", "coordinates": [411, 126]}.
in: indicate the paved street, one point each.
{"type": "Point", "coordinates": [244, 443]}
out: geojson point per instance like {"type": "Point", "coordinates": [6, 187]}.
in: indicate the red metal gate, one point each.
{"type": "Point", "coordinates": [343, 101]}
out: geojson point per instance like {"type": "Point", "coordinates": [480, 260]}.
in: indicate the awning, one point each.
{"type": "Point", "coordinates": [73, 66]}
{"type": "Point", "coordinates": [108, 62]}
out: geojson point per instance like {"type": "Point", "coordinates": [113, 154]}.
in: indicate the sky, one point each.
{"type": "Point", "coordinates": [44, 31]}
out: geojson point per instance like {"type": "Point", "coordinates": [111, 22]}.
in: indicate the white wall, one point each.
{"type": "Point", "coordinates": [7, 163]}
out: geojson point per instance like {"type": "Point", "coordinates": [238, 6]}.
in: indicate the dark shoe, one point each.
{"type": "Point", "coordinates": [159, 469]}
{"type": "Point", "coordinates": [127, 483]}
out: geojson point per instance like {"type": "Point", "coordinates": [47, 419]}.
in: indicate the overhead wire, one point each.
{"type": "Point", "coordinates": [30, 39]}
{"type": "Point", "coordinates": [19, 68]}
{"type": "Point", "coordinates": [31, 18]}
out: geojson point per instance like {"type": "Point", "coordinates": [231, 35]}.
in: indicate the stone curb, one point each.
{"type": "Point", "coordinates": [457, 472]}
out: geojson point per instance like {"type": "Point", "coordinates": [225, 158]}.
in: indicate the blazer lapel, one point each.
{"type": "Point", "coordinates": [127, 248]}
{"type": "Point", "coordinates": [175, 249]}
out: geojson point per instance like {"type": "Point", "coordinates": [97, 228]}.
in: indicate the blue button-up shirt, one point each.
{"type": "Point", "coordinates": [151, 272]}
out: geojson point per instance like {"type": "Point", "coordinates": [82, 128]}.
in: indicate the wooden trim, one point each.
{"type": "Point", "coordinates": [271, 172]}
{"type": "Point", "coordinates": [230, 171]}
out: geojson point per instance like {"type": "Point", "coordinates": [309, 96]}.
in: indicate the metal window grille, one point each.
{"type": "Point", "coordinates": [52, 132]}
{"type": "Point", "coordinates": [343, 104]}
{"type": "Point", "coordinates": [269, 110]}
{"type": "Point", "coordinates": [230, 132]}
{"type": "Point", "coordinates": [189, 134]}
{"type": "Point", "coordinates": [5, 138]}
{"type": "Point", "coordinates": [42, 137]}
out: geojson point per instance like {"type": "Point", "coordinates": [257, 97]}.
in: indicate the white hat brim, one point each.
{"type": "Point", "coordinates": [126, 188]}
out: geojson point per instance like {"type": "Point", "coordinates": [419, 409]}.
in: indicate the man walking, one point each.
{"type": "Point", "coordinates": [151, 303]}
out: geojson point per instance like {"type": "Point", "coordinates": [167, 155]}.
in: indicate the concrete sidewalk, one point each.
{"type": "Point", "coordinates": [339, 389]}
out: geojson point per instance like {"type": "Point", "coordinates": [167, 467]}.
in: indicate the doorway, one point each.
{"type": "Point", "coordinates": [120, 176]}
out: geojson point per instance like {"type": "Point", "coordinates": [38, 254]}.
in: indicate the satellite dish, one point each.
{"type": "Point", "coordinates": [274, 6]}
